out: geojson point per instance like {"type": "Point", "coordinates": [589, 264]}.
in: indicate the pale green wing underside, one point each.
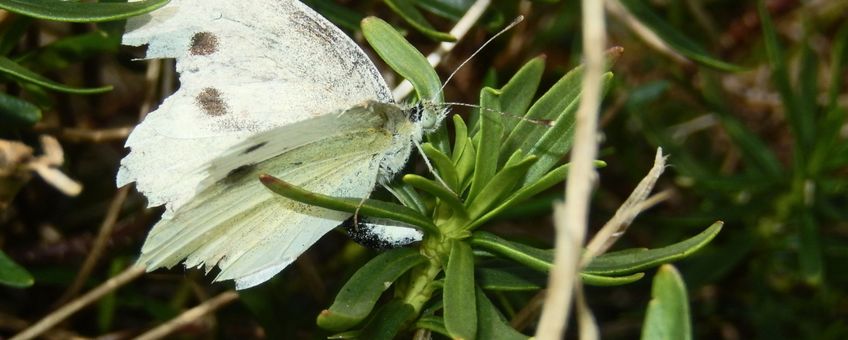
{"type": "Point", "coordinates": [251, 233]}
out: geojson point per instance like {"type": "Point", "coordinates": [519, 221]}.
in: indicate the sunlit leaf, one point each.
{"type": "Point", "coordinates": [15, 112]}
{"type": "Point", "coordinates": [13, 275]}
{"type": "Point", "coordinates": [358, 296]}
{"type": "Point", "coordinates": [667, 317]}
{"type": "Point", "coordinates": [635, 260]}
{"type": "Point", "coordinates": [14, 71]}
{"type": "Point", "coordinates": [73, 11]}
{"type": "Point", "coordinates": [460, 310]}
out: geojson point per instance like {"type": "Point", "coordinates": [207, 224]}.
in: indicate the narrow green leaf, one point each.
{"type": "Point", "coordinates": [15, 112]}
{"type": "Point", "coordinates": [518, 93]}
{"type": "Point", "coordinates": [14, 71]}
{"type": "Point", "coordinates": [808, 90]}
{"type": "Point", "coordinates": [13, 275]}
{"type": "Point", "coordinates": [460, 136]}
{"type": "Point", "coordinates": [450, 9]}
{"type": "Point", "coordinates": [107, 305]}
{"type": "Point", "coordinates": [388, 321]}
{"type": "Point", "coordinates": [799, 124]}
{"type": "Point", "coordinates": [491, 324]}
{"type": "Point", "coordinates": [607, 281]}
{"type": "Point", "coordinates": [830, 125]}
{"type": "Point", "coordinates": [72, 11]}
{"type": "Point", "coordinates": [410, 64]}
{"type": "Point", "coordinates": [460, 310]}
{"type": "Point", "coordinates": [552, 105]}
{"type": "Point", "coordinates": [407, 196]}
{"type": "Point", "coordinates": [556, 141]}
{"type": "Point", "coordinates": [631, 261]}
{"type": "Point", "coordinates": [443, 164]}
{"type": "Point", "coordinates": [668, 311]}
{"type": "Point", "coordinates": [438, 190]}
{"type": "Point", "coordinates": [433, 323]}
{"type": "Point", "coordinates": [838, 60]}
{"type": "Point", "coordinates": [510, 279]}
{"type": "Point", "coordinates": [674, 38]}
{"type": "Point", "coordinates": [488, 142]}
{"type": "Point", "coordinates": [810, 250]}
{"type": "Point", "coordinates": [370, 207]}
{"type": "Point", "coordinates": [500, 186]}
{"type": "Point", "coordinates": [465, 164]}
{"type": "Point", "coordinates": [414, 18]}
{"type": "Point", "coordinates": [537, 259]}
{"type": "Point", "coordinates": [548, 180]}
{"type": "Point", "coordinates": [402, 57]}
{"type": "Point", "coordinates": [534, 258]}
{"type": "Point", "coordinates": [357, 297]}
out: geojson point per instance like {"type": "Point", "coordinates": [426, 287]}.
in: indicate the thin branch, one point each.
{"type": "Point", "coordinates": [99, 244]}
{"type": "Point", "coordinates": [571, 219]}
{"type": "Point", "coordinates": [190, 316]}
{"type": "Point", "coordinates": [617, 225]}
{"type": "Point", "coordinates": [585, 319]}
{"type": "Point", "coordinates": [529, 312]}
{"type": "Point", "coordinates": [459, 31]}
{"type": "Point", "coordinates": [72, 307]}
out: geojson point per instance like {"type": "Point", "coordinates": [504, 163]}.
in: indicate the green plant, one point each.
{"type": "Point", "coordinates": [441, 287]}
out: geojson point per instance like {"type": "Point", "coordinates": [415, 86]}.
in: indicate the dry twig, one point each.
{"type": "Point", "coordinates": [190, 316]}
{"type": "Point", "coordinates": [571, 219]}
{"type": "Point", "coordinates": [72, 307]}
{"type": "Point", "coordinates": [617, 225]}
{"type": "Point", "coordinates": [106, 228]}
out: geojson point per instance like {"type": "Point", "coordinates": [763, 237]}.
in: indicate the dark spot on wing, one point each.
{"type": "Point", "coordinates": [297, 163]}
{"type": "Point", "coordinates": [203, 43]}
{"type": "Point", "coordinates": [254, 148]}
{"type": "Point", "coordinates": [235, 175]}
{"type": "Point", "coordinates": [211, 102]}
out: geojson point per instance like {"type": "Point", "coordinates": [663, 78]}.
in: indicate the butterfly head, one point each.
{"type": "Point", "coordinates": [428, 115]}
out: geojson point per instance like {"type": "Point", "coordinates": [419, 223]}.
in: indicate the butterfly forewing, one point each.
{"type": "Point", "coordinates": [245, 67]}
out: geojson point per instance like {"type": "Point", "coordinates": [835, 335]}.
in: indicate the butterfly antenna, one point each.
{"type": "Point", "coordinates": [542, 122]}
{"type": "Point", "coordinates": [517, 20]}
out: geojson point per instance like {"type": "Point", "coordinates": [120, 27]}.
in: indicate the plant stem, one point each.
{"type": "Point", "coordinates": [423, 278]}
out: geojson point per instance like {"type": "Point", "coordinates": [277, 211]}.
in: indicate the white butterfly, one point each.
{"type": "Point", "coordinates": [267, 86]}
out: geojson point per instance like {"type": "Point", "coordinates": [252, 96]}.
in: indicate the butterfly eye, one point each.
{"type": "Point", "coordinates": [428, 115]}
